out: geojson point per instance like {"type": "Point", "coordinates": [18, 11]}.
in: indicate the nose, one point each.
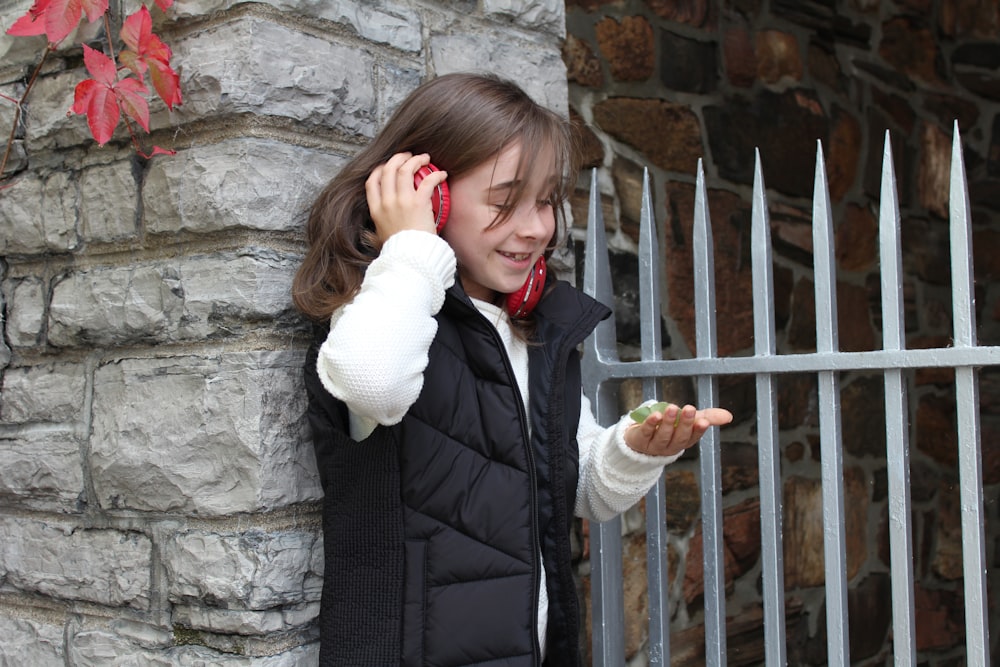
{"type": "Point", "coordinates": [537, 222]}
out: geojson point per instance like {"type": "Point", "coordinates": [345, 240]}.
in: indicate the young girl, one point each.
{"type": "Point", "coordinates": [453, 440]}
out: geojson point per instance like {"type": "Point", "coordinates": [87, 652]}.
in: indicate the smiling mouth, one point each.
{"type": "Point", "coordinates": [516, 256]}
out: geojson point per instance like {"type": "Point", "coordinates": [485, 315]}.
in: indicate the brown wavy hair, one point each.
{"type": "Point", "coordinates": [460, 120]}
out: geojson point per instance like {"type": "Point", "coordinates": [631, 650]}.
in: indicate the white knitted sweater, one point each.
{"type": "Point", "coordinates": [375, 355]}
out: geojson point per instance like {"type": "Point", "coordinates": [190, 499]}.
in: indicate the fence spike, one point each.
{"type": "Point", "coordinates": [834, 539]}
{"type": "Point", "coordinates": [962, 279]}
{"type": "Point", "coordinates": [824, 267]}
{"type": "Point", "coordinates": [893, 331]}
{"type": "Point", "coordinates": [600, 348]}
{"type": "Point", "coordinates": [597, 283]}
{"type": "Point", "coordinates": [656, 506]}
{"type": "Point", "coordinates": [649, 281]}
{"type": "Point", "coordinates": [896, 420]}
{"type": "Point", "coordinates": [970, 464]}
{"type": "Point", "coordinates": [763, 276]}
{"type": "Point", "coordinates": [768, 452]}
{"type": "Point", "coordinates": [710, 456]}
{"type": "Point", "coordinates": [704, 271]}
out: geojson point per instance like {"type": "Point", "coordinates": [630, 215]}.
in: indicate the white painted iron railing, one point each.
{"type": "Point", "coordinates": [602, 368]}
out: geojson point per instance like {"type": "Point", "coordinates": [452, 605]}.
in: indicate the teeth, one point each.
{"type": "Point", "coordinates": [517, 257]}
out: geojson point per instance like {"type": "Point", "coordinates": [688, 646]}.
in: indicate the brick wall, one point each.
{"type": "Point", "coordinates": [158, 496]}
{"type": "Point", "coordinates": [662, 83]}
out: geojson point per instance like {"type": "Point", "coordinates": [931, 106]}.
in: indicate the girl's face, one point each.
{"type": "Point", "coordinates": [496, 259]}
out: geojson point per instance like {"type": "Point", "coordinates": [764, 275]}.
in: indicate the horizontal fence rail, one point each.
{"type": "Point", "coordinates": [602, 368]}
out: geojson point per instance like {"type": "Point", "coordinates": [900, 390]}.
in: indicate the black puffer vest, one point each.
{"type": "Point", "coordinates": [433, 527]}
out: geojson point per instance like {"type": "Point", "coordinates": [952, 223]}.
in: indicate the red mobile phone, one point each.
{"type": "Point", "coordinates": [440, 199]}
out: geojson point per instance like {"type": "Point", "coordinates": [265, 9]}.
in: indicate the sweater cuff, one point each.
{"type": "Point", "coordinates": [428, 254]}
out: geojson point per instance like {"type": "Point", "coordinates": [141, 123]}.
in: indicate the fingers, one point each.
{"type": "Point", "coordinates": [394, 202]}
{"type": "Point", "coordinates": [716, 416]}
{"type": "Point", "coordinates": [675, 429]}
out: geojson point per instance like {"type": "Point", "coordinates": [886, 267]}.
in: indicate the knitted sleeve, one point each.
{"type": "Point", "coordinates": [613, 477]}
{"type": "Point", "coordinates": [376, 352]}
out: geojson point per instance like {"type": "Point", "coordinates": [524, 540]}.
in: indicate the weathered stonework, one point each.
{"type": "Point", "coordinates": [159, 499]}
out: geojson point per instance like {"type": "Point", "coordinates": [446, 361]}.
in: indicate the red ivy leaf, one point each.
{"type": "Point", "coordinates": [104, 97]}
{"type": "Point", "coordinates": [166, 82]}
{"type": "Point", "coordinates": [138, 36]}
{"type": "Point", "coordinates": [101, 67]}
{"type": "Point", "coordinates": [129, 93]}
{"type": "Point", "coordinates": [157, 151]}
{"type": "Point", "coordinates": [164, 5]}
{"type": "Point", "coordinates": [98, 102]}
{"type": "Point", "coordinates": [94, 8]}
{"type": "Point", "coordinates": [32, 23]}
{"type": "Point", "coordinates": [62, 16]}
{"type": "Point", "coordinates": [147, 52]}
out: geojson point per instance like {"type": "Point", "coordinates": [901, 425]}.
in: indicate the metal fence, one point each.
{"type": "Point", "coordinates": [603, 368]}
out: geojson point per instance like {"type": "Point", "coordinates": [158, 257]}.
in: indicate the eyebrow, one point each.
{"type": "Point", "coordinates": [511, 185]}
{"type": "Point", "coordinates": [507, 185]}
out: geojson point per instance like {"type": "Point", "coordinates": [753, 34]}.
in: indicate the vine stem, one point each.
{"type": "Point", "coordinates": [18, 105]}
{"type": "Point", "coordinates": [107, 35]}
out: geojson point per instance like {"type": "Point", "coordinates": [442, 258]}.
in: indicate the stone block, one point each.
{"type": "Point", "coordinates": [909, 46]}
{"type": "Point", "coordinates": [49, 125]}
{"type": "Point", "coordinates": [510, 58]}
{"type": "Point", "coordinates": [245, 622]}
{"type": "Point", "coordinates": [255, 570]}
{"type": "Point", "coordinates": [778, 56]}
{"type": "Point", "coordinates": [303, 78]}
{"type": "Point", "coordinates": [25, 311]}
{"type": "Point", "coordinates": [804, 528]}
{"type": "Point", "coordinates": [396, 83]}
{"type": "Point", "coordinates": [688, 65]}
{"type": "Point", "coordinates": [947, 559]}
{"type": "Point", "coordinates": [205, 296]}
{"type": "Point", "coordinates": [970, 18]}
{"type": "Point", "coordinates": [694, 13]}
{"type": "Point", "coordinates": [938, 618]}
{"type": "Point", "coordinates": [108, 199]}
{"type": "Point", "coordinates": [107, 645]}
{"type": "Point", "coordinates": [39, 214]}
{"type": "Point", "coordinates": [394, 25]}
{"type": "Point", "coordinates": [244, 183]}
{"type": "Point", "coordinates": [934, 170]}
{"type": "Point", "coordinates": [627, 46]}
{"type": "Point", "coordinates": [682, 499]}
{"type": "Point", "coordinates": [397, 26]}
{"type": "Point", "coordinates": [857, 239]}
{"type": "Point", "coordinates": [582, 66]}
{"type": "Point", "coordinates": [61, 560]}
{"type": "Point", "coordinates": [41, 470]}
{"type": "Point", "coordinates": [25, 641]}
{"type": "Point", "coordinates": [43, 393]}
{"type": "Point", "coordinates": [209, 435]}
{"type": "Point", "coordinates": [783, 126]}
{"type": "Point", "coordinates": [541, 15]}
{"type": "Point", "coordinates": [668, 134]}
{"type": "Point", "coordinates": [739, 56]}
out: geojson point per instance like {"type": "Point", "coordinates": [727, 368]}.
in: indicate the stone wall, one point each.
{"type": "Point", "coordinates": [158, 495]}
{"type": "Point", "coordinates": [662, 83]}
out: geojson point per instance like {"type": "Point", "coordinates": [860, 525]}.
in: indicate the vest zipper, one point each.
{"type": "Point", "coordinates": [536, 543]}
